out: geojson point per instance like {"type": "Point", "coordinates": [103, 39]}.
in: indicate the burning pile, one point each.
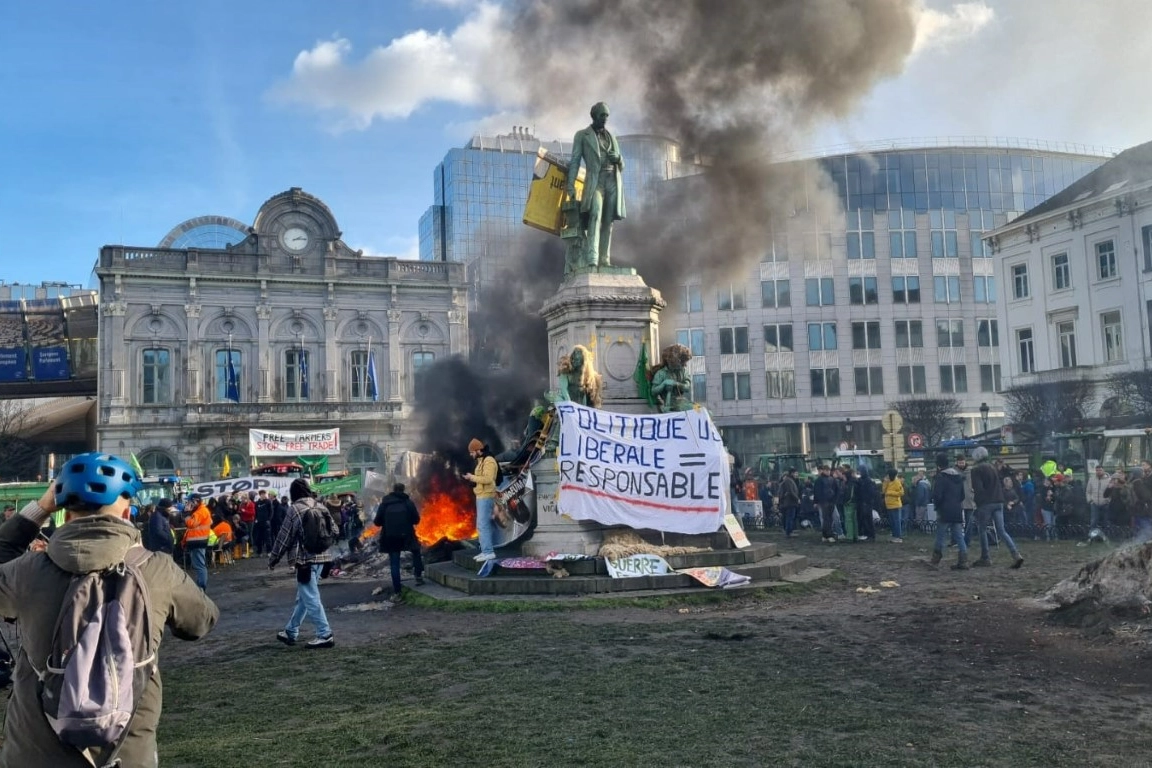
{"type": "Point", "coordinates": [446, 510]}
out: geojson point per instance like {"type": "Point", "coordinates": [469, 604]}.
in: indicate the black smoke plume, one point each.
{"type": "Point", "coordinates": [733, 81]}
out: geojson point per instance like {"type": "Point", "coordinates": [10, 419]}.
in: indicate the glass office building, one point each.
{"type": "Point", "coordinates": [894, 296]}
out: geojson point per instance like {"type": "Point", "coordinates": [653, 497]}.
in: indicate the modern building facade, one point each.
{"type": "Point", "coordinates": [277, 325]}
{"type": "Point", "coordinates": [894, 296]}
{"type": "Point", "coordinates": [1077, 278]}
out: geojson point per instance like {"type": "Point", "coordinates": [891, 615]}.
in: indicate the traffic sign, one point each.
{"type": "Point", "coordinates": [892, 421]}
{"type": "Point", "coordinates": [915, 441]}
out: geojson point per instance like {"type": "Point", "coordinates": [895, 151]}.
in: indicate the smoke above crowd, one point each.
{"type": "Point", "coordinates": [734, 82]}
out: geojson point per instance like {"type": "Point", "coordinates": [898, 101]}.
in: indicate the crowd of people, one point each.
{"type": "Point", "coordinates": [1047, 503]}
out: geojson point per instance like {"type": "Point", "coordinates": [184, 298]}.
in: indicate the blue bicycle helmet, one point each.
{"type": "Point", "coordinates": [96, 479]}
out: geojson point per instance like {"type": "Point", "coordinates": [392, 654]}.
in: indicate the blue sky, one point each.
{"type": "Point", "coordinates": [121, 120]}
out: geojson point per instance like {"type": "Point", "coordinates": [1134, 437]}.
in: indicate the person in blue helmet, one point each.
{"type": "Point", "coordinates": [95, 490]}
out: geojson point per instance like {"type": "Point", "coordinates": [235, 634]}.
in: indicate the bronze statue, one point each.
{"type": "Point", "coordinates": [671, 384]}
{"type": "Point", "coordinates": [602, 203]}
{"type": "Point", "coordinates": [578, 380]}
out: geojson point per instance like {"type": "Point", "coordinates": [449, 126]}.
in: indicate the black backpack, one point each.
{"type": "Point", "coordinates": [318, 530]}
{"type": "Point", "coordinates": [499, 473]}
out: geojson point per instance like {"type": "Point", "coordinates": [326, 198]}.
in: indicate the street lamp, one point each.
{"type": "Point", "coordinates": [984, 416]}
{"type": "Point", "coordinates": [960, 423]}
{"type": "Point", "coordinates": [848, 430]}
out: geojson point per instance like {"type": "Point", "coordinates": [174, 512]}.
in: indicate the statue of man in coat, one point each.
{"type": "Point", "coordinates": [602, 203]}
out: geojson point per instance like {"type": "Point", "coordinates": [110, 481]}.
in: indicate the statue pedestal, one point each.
{"type": "Point", "coordinates": [554, 533]}
{"type": "Point", "coordinates": [611, 311]}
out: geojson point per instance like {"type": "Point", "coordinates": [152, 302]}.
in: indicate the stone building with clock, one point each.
{"type": "Point", "coordinates": [226, 327]}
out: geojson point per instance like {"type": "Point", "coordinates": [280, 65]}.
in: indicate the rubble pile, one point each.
{"type": "Point", "coordinates": [1120, 582]}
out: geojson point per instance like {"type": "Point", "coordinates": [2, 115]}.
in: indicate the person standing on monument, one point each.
{"type": "Point", "coordinates": [484, 479]}
{"type": "Point", "coordinates": [603, 201]}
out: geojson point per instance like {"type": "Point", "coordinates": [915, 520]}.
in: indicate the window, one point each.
{"type": "Point", "coordinates": [980, 222]}
{"type": "Point", "coordinates": [361, 390]}
{"type": "Point", "coordinates": [1061, 272]}
{"type": "Point", "coordinates": [821, 336]}
{"type": "Point", "coordinates": [1066, 333]}
{"type": "Point", "coordinates": [699, 387]}
{"type": "Point", "coordinates": [947, 289]}
{"type": "Point", "coordinates": [819, 291]}
{"type": "Point", "coordinates": [734, 341]}
{"type": "Point", "coordinates": [731, 297]}
{"type": "Point", "coordinates": [949, 333]}
{"type": "Point", "coordinates": [775, 294]}
{"type": "Point", "coordinates": [421, 361]}
{"type": "Point", "coordinates": [953, 378]}
{"type": "Point", "coordinates": [363, 458]}
{"type": "Point", "coordinates": [910, 380]}
{"type": "Point", "coordinates": [1113, 336]}
{"type": "Point", "coordinates": [157, 370]}
{"type": "Point", "coordinates": [861, 242]}
{"type": "Point", "coordinates": [1146, 236]}
{"type": "Point", "coordinates": [943, 234]}
{"type": "Point", "coordinates": [909, 334]}
{"type": "Point", "coordinates": [987, 333]}
{"type": "Point", "coordinates": [1106, 260]}
{"type": "Point", "coordinates": [990, 378]}
{"type": "Point", "coordinates": [825, 382]}
{"type": "Point", "coordinates": [869, 381]}
{"type": "Point", "coordinates": [736, 386]}
{"type": "Point", "coordinates": [1024, 344]}
{"type": "Point", "coordinates": [778, 250]}
{"type": "Point", "coordinates": [906, 290]}
{"type": "Point", "coordinates": [866, 335]}
{"type": "Point", "coordinates": [902, 234]}
{"type": "Point", "coordinates": [781, 384]}
{"type": "Point", "coordinates": [862, 290]}
{"type": "Point", "coordinates": [984, 288]}
{"type": "Point", "coordinates": [1020, 281]}
{"type": "Point", "coordinates": [237, 462]}
{"type": "Point", "coordinates": [228, 376]}
{"type": "Point", "coordinates": [693, 338]}
{"type": "Point", "coordinates": [778, 338]}
{"type": "Point", "coordinates": [692, 299]}
{"type": "Point", "coordinates": [296, 374]}
{"type": "Point", "coordinates": [156, 463]}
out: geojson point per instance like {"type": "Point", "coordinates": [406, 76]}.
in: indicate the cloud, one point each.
{"type": "Point", "coordinates": [400, 248]}
{"type": "Point", "coordinates": [939, 29]}
{"type": "Point", "coordinates": [395, 80]}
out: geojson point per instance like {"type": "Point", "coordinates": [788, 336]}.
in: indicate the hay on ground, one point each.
{"type": "Point", "coordinates": [623, 543]}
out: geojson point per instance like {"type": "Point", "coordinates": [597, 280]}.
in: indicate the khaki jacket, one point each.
{"type": "Point", "coordinates": [485, 474]}
{"type": "Point", "coordinates": [32, 588]}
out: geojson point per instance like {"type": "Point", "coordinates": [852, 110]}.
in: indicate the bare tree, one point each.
{"type": "Point", "coordinates": [1132, 392]}
{"type": "Point", "coordinates": [1056, 406]}
{"type": "Point", "coordinates": [18, 457]}
{"type": "Point", "coordinates": [932, 417]}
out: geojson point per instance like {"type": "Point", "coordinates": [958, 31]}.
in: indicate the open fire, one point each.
{"type": "Point", "coordinates": [447, 510]}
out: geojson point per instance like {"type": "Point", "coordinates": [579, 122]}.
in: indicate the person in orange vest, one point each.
{"type": "Point", "coordinates": [198, 524]}
{"type": "Point", "coordinates": [223, 531]}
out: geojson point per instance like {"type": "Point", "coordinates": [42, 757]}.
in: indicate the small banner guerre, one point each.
{"type": "Point", "coordinates": [662, 471]}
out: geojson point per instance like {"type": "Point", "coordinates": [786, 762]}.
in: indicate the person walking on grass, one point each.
{"type": "Point", "coordinates": [789, 501]}
{"type": "Point", "coordinates": [306, 528]}
{"type": "Point", "coordinates": [988, 493]}
{"type": "Point", "coordinates": [397, 518]}
{"type": "Point", "coordinates": [824, 496]}
{"type": "Point", "coordinates": [893, 490]}
{"type": "Point", "coordinates": [948, 497]}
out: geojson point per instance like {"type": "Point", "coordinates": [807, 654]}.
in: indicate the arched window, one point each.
{"type": "Point", "coordinates": [156, 463]}
{"type": "Point", "coordinates": [237, 463]}
{"type": "Point", "coordinates": [421, 361]}
{"type": "Point", "coordinates": [363, 458]}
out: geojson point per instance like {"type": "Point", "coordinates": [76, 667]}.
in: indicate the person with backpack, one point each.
{"type": "Point", "coordinates": [305, 537]}
{"type": "Point", "coordinates": [485, 477]}
{"type": "Point", "coordinates": [91, 561]}
{"type": "Point", "coordinates": [397, 517]}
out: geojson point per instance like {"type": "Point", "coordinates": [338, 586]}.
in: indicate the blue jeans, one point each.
{"type": "Point", "coordinates": [1049, 524]}
{"type": "Point", "coordinates": [484, 524]}
{"type": "Point", "coordinates": [957, 532]}
{"type": "Point", "coordinates": [199, 559]}
{"type": "Point", "coordinates": [788, 515]}
{"type": "Point", "coordinates": [993, 514]}
{"type": "Point", "coordinates": [1099, 515]}
{"type": "Point", "coordinates": [896, 521]}
{"type": "Point", "coordinates": [394, 566]}
{"type": "Point", "coordinates": [308, 606]}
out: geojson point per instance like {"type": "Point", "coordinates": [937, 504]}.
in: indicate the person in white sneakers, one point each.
{"type": "Point", "coordinates": [483, 478]}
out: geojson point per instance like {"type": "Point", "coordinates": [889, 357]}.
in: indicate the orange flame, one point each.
{"type": "Point", "coordinates": [446, 513]}
{"type": "Point", "coordinates": [369, 532]}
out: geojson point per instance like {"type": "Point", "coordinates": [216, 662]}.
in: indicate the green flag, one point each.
{"type": "Point", "coordinates": [640, 376]}
{"type": "Point", "coordinates": [136, 464]}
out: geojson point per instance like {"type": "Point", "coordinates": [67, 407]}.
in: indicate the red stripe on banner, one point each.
{"type": "Point", "coordinates": [630, 500]}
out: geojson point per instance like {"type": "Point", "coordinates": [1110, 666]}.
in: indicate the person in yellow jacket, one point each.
{"type": "Point", "coordinates": [198, 525]}
{"type": "Point", "coordinates": [893, 490]}
{"type": "Point", "coordinates": [483, 477]}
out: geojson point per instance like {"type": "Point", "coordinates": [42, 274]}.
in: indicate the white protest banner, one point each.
{"type": "Point", "coordinates": [663, 471]}
{"type": "Point", "coordinates": [631, 566]}
{"type": "Point", "coordinates": [231, 485]}
{"type": "Point", "coordinates": [321, 442]}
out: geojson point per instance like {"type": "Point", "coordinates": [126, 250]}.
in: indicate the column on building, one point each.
{"type": "Point", "coordinates": [395, 363]}
{"type": "Point", "coordinates": [331, 355]}
{"type": "Point", "coordinates": [263, 333]}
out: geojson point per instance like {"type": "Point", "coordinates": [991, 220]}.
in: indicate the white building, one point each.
{"type": "Point", "coordinates": [1075, 273]}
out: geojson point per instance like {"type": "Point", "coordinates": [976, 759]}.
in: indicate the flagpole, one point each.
{"type": "Point", "coordinates": [367, 365]}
